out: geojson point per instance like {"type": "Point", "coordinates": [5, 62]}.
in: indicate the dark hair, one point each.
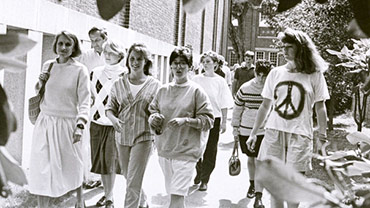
{"type": "Point", "coordinates": [76, 43]}
{"type": "Point", "coordinates": [263, 66]}
{"type": "Point", "coordinates": [307, 58]}
{"type": "Point", "coordinates": [182, 52]}
{"type": "Point", "coordinates": [101, 31]}
{"type": "Point", "coordinates": [141, 48]}
{"type": "Point", "coordinates": [249, 54]}
{"type": "Point", "coordinates": [211, 54]}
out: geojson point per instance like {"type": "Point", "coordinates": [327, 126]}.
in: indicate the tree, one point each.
{"type": "Point", "coordinates": [237, 27]}
{"type": "Point", "coordinates": [326, 24]}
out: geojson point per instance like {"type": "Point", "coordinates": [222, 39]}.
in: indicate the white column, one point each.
{"type": "Point", "coordinates": [34, 57]}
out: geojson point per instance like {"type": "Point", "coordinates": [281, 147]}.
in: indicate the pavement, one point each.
{"type": "Point", "coordinates": [224, 191]}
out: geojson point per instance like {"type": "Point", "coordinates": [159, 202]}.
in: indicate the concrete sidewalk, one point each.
{"type": "Point", "coordinates": [223, 190]}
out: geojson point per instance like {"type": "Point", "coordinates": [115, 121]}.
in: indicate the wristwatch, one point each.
{"type": "Point", "coordinates": [80, 126]}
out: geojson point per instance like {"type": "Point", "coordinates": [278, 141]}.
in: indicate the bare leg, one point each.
{"type": "Point", "coordinates": [80, 200]}
{"type": "Point", "coordinates": [251, 167]}
{"type": "Point", "coordinates": [108, 184]}
{"type": "Point", "coordinates": [43, 201]}
{"type": "Point", "coordinates": [177, 201]}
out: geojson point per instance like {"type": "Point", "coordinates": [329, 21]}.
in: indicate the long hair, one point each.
{"type": "Point", "coordinates": [143, 50]}
{"type": "Point", "coordinates": [76, 43]}
{"type": "Point", "coordinates": [307, 58]}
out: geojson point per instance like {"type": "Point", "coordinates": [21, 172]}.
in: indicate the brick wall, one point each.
{"type": "Point", "coordinates": [208, 26]}
{"type": "Point", "coordinates": [154, 18]}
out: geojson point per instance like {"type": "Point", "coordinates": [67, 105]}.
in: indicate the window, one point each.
{"type": "Point", "coordinates": [260, 55]}
{"type": "Point", "coordinates": [273, 58]}
{"type": "Point", "coordinates": [233, 58]}
{"type": "Point", "coordinates": [262, 20]}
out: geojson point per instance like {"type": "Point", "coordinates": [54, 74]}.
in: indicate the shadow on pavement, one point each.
{"type": "Point", "coordinates": [87, 195]}
{"type": "Point", "coordinates": [226, 203]}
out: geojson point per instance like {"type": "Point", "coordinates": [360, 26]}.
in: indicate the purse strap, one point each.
{"type": "Point", "coordinates": [42, 89]}
{"type": "Point", "coordinates": [235, 150]}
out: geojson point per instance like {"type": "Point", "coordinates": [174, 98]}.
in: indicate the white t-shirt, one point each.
{"type": "Point", "coordinates": [217, 90]}
{"type": "Point", "coordinates": [293, 96]}
{"type": "Point", "coordinates": [136, 88]}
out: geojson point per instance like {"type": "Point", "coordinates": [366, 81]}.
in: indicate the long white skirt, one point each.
{"type": "Point", "coordinates": [56, 165]}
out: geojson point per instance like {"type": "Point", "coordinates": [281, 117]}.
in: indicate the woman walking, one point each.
{"type": "Point", "coordinates": [128, 111]}
{"type": "Point", "coordinates": [292, 90]}
{"type": "Point", "coordinates": [56, 165]}
{"type": "Point", "coordinates": [181, 116]}
{"type": "Point", "coordinates": [104, 157]}
{"type": "Point", "coordinates": [247, 101]}
{"type": "Point", "coordinates": [221, 99]}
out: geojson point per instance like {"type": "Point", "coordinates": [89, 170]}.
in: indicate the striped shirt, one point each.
{"type": "Point", "coordinates": [132, 111]}
{"type": "Point", "coordinates": [247, 101]}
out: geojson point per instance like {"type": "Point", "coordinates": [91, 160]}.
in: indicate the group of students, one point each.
{"type": "Point", "coordinates": [125, 109]}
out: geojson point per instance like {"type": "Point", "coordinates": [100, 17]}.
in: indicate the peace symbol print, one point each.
{"type": "Point", "coordinates": [286, 109]}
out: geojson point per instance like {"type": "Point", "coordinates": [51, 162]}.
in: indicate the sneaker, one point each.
{"type": "Point", "coordinates": [109, 204]}
{"type": "Point", "coordinates": [251, 193]}
{"type": "Point", "coordinates": [203, 187]}
{"type": "Point", "coordinates": [101, 202]}
{"type": "Point", "coordinates": [258, 202]}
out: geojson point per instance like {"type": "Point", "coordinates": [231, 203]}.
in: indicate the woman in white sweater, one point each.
{"type": "Point", "coordinates": [56, 165]}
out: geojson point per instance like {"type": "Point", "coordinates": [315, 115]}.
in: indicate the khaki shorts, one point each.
{"type": "Point", "coordinates": [178, 175]}
{"type": "Point", "coordinates": [293, 149]}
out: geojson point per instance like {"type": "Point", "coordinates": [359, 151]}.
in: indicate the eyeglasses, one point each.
{"type": "Point", "coordinates": [181, 64]}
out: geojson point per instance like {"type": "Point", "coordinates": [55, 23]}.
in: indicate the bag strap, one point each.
{"type": "Point", "coordinates": [42, 89]}
{"type": "Point", "coordinates": [235, 150]}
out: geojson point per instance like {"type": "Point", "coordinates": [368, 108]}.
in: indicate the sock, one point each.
{"type": "Point", "coordinates": [251, 182]}
{"type": "Point", "coordinates": [259, 194]}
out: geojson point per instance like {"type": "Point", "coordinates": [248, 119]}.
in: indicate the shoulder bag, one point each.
{"type": "Point", "coordinates": [34, 102]}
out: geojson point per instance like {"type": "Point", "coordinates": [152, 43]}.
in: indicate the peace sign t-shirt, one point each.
{"type": "Point", "coordinates": [293, 96]}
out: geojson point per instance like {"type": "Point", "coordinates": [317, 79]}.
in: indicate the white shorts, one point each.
{"type": "Point", "coordinates": [293, 149]}
{"type": "Point", "coordinates": [178, 175]}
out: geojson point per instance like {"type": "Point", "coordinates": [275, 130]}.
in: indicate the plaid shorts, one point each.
{"type": "Point", "coordinates": [293, 149]}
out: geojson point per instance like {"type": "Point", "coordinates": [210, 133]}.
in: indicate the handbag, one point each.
{"type": "Point", "coordinates": [234, 162]}
{"type": "Point", "coordinates": [34, 102]}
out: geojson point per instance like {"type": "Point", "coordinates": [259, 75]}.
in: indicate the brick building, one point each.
{"type": "Point", "coordinates": [259, 37]}
{"type": "Point", "coordinates": [160, 24]}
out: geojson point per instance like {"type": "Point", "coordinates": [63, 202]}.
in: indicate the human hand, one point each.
{"type": "Point", "coordinates": [157, 121]}
{"type": "Point", "coordinates": [44, 76]}
{"type": "Point", "coordinates": [251, 142]}
{"type": "Point", "coordinates": [77, 134]}
{"type": "Point", "coordinates": [176, 122]}
{"type": "Point", "coordinates": [117, 124]}
{"type": "Point", "coordinates": [236, 131]}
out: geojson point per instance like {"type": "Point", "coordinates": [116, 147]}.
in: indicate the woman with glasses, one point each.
{"type": "Point", "coordinates": [128, 111]}
{"type": "Point", "coordinates": [220, 96]}
{"type": "Point", "coordinates": [181, 116]}
{"type": "Point", "coordinates": [292, 90]}
{"type": "Point", "coordinates": [247, 101]}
